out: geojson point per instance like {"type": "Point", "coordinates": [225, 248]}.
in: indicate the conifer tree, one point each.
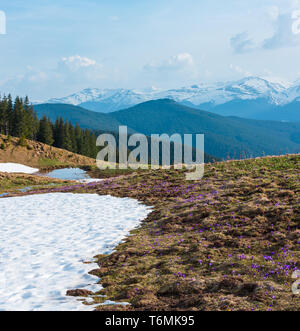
{"type": "Point", "coordinates": [18, 124]}
{"type": "Point", "coordinates": [78, 139]}
{"type": "Point", "coordinates": [45, 134]}
{"type": "Point", "coordinates": [4, 119]}
{"type": "Point", "coordinates": [9, 115]}
{"type": "Point", "coordinates": [19, 119]}
{"type": "Point", "coordinates": [67, 144]}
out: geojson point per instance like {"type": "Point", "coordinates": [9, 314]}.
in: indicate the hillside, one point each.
{"type": "Point", "coordinates": [258, 109]}
{"type": "Point", "coordinates": [36, 154]}
{"type": "Point", "coordinates": [88, 119]}
{"type": "Point", "coordinates": [224, 136]}
{"type": "Point", "coordinates": [227, 242]}
{"type": "Point", "coordinates": [85, 118]}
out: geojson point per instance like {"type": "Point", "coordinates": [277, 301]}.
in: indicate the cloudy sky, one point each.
{"type": "Point", "coordinates": [56, 47]}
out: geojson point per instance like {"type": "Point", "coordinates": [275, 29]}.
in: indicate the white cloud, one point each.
{"type": "Point", "coordinates": [283, 35]}
{"type": "Point", "coordinates": [36, 77]}
{"type": "Point", "coordinates": [79, 69]}
{"type": "Point", "coordinates": [273, 12]}
{"type": "Point", "coordinates": [180, 68]}
{"type": "Point", "coordinates": [77, 62]}
{"type": "Point", "coordinates": [30, 82]}
{"type": "Point", "coordinates": [74, 72]}
{"type": "Point", "coordinates": [180, 62]}
{"type": "Point", "coordinates": [176, 70]}
{"type": "Point", "coordinates": [241, 43]}
{"type": "Point", "coordinates": [240, 70]}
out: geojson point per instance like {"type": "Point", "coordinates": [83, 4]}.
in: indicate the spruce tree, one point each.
{"type": "Point", "coordinates": [4, 119]}
{"type": "Point", "coordinates": [18, 124]}
{"type": "Point", "coordinates": [78, 139]}
{"type": "Point", "coordinates": [67, 137]}
{"type": "Point", "coordinates": [19, 119]}
{"type": "Point", "coordinates": [45, 134]}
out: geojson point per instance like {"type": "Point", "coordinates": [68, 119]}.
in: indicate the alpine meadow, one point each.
{"type": "Point", "coordinates": [150, 159]}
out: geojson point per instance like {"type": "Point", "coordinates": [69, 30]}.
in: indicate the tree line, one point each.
{"type": "Point", "coordinates": [18, 119]}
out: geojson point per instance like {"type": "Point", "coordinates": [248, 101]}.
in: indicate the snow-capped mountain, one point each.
{"type": "Point", "coordinates": [85, 95]}
{"type": "Point", "coordinates": [249, 88]}
{"type": "Point", "coordinates": [205, 96]}
{"type": "Point", "coordinates": [105, 100]}
{"type": "Point", "coordinates": [294, 92]}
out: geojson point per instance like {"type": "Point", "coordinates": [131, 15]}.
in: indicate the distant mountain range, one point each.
{"type": "Point", "coordinates": [85, 118]}
{"type": "Point", "coordinates": [251, 97]}
{"type": "Point", "coordinates": [232, 137]}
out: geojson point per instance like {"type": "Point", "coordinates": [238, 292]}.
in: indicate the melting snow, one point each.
{"type": "Point", "coordinates": [16, 168]}
{"type": "Point", "coordinates": [45, 238]}
{"type": "Point", "coordinates": [77, 174]}
{"type": "Point", "coordinates": [68, 174]}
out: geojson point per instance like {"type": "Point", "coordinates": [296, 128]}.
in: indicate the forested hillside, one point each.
{"type": "Point", "coordinates": [225, 137]}
{"type": "Point", "coordinates": [18, 119]}
{"type": "Point", "coordinates": [85, 118]}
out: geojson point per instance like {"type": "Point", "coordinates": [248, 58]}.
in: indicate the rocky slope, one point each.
{"type": "Point", "coordinates": [39, 155]}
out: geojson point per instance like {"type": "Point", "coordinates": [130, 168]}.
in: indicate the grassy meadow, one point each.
{"type": "Point", "coordinates": [230, 241]}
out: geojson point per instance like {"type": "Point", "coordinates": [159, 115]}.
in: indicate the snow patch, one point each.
{"type": "Point", "coordinates": [45, 238]}
{"type": "Point", "coordinates": [77, 174]}
{"type": "Point", "coordinates": [17, 168]}
{"type": "Point", "coordinates": [90, 180]}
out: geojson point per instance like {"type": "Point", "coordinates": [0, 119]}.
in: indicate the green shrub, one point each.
{"type": "Point", "coordinates": [22, 142]}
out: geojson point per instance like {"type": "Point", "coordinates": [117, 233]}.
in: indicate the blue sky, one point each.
{"type": "Point", "coordinates": [53, 48]}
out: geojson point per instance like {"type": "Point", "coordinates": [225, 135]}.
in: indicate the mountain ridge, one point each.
{"type": "Point", "coordinates": [232, 137]}
{"type": "Point", "coordinates": [224, 136]}
{"type": "Point", "coordinates": [212, 97]}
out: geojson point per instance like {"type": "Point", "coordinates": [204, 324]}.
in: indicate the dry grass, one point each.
{"type": "Point", "coordinates": [38, 155]}
{"type": "Point", "coordinates": [10, 183]}
{"type": "Point", "coordinates": [228, 242]}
